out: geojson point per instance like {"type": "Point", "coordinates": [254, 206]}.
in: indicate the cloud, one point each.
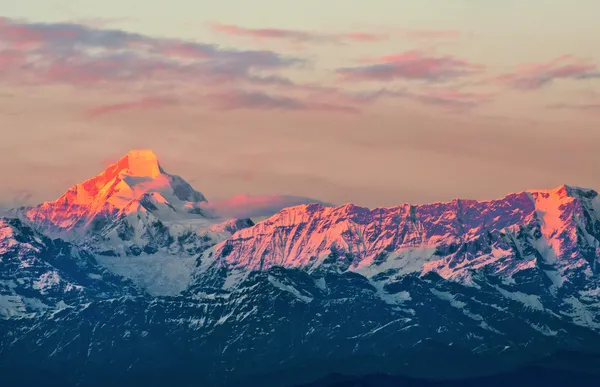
{"type": "Point", "coordinates": [252, 206]}
{"type": "Point", "coordinates": [78, 54]}
{"type": "Point", "coordinates": [11, 59]}
{"type": "Point", "coordinates": [33, 53]}
{"type": "Point", "coordinates": [297, 36]}
{"type": "Point", "coordinates": [452, 98]}
{"type": "Point", "coordinates": [17, 199]}
{"type": "Point", "coordinates": [432, 34]}
{"type": "Point", "coordinates": [99, 22]}
{"type": "Point", "coordinates": [412, 65]}
{"type": "Point", "coordinates": [143, 104]}
{"type": "Point", "coordinates": [446, 98]}
{"type": "Point", "coordinates": [239, 99]}
{"type": "Point", "coordinates": [532, 76]}
{"type": "Point", "coordinates": [588, 107]}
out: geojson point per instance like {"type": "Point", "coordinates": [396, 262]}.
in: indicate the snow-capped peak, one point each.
{"type": "Point", "coordinates": [454, 238]}
{"type": "Point", "coordinates": [141, 163]}
{"type": "Point", "coordinates": [134, 183]}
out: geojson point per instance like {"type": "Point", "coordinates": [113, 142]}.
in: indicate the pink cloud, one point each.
{"type": "Point", "coordinates": [184, 50]}
{"type": "Point", "coordinates": [530, 76]}
{"type": "Point", "coordinates": [411, 65]}
{"type": "Point", "coordinates": [237, 99]}
{"type": "Point", "coordinates": [362, 37]}
{"type": "Point", "coordinates": [433, 34]}
{"type": "Point", "coordinates": [250, 206]}
{"type": "Point", "coordinates": [296, 35]}
{"type": "Point", "coordinates": [88, 56]}
{"type": "Point", "coordinates": [21, 36]}
{"type": "Point", "coordinates": [269, 33]}
{"type": "Point", "coordinates": [143, 104]}
{"type": "Point", "coordinates": [10, 59]}
{"type": "Point", "coordinates": [323, 37]}
{"type": "Point", "coordinates": [75, 54]}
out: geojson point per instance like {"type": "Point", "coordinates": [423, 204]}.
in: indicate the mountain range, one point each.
{"type": "Point", "coordinates": [130, 278]}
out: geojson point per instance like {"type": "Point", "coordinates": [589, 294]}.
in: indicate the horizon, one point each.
{"type": "Point", "coordinates": [261, 207]}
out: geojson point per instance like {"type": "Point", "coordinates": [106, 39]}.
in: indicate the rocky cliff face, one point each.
{"type": "Point", "coordinates": [544, 241]}
{"type": "Point", "coordinates": [39, 275]}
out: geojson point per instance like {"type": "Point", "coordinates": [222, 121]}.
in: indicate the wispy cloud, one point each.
{"type": "Point", "coordinates": [240, 99]}
{"type": "Point", "coordinates": [412, 65]}
{"type": "Point", "coordinates": [142, 104]}
{"type": "Point", "coordinates": [101, 22]}
{"type": "Point", "coordinates": [588, 107]}
{"type": "Point", "coordinates": [14, 199]}
{"type": "Point", "coordinates": [431, 34]}
{"type": "Point", "coordinates": [11, 59]}
{"type": "Point", "coordinates": [531, 76]}
{"type": "Point", "coordinates": [450, 98]}
{"type": "Point", "coordinates": [447, 98]}
{"type": "Point", "coordinates": [79, 54]}
{"type": "Point", "coordinates": [298, 36]}
{"type": "Point", "coordinates": [251, 206]}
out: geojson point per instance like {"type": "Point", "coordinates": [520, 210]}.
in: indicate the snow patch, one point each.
{"type": "Point", "coordinates": [529, 300]}
{"type": "Point", "coordinates": [158, 274]}
{"type": "Point", "coordinates": [544, 330]}
{"type": "Point", "coordinates": [46, 281]}
{"type": "Point", "coordinates": [234, 278]}
{"type": "Point", "coordinates": [11, 307]}
{"type": "Point", "coordinates": [580, 314]}
{"type": "Point", "coordinates": [290, 289]}
{"type": "Point", "coordinates": [449, 297]}
{"type": "Point", "coordinates": [321, 284]}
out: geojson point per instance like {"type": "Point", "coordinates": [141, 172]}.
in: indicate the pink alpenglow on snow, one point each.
{"type": "Point", "coordinates": [122, 188]}
{"type": "Point", "coordinates": [137, 184]}
{"type": "Point", "coordinates": [421, 238]}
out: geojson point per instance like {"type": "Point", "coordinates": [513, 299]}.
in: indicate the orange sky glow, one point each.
{"type": "Point", "coordinates": [339, 108]}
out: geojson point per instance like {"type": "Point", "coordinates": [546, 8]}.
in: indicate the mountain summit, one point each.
{"type": "Point", "coordinates": [136, 209]}
{"type": "Point", "coordinates": [141, 163]}
{"type": "Point", "coordinates": [134, 183]}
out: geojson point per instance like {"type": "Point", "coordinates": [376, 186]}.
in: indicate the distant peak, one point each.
{"type": "Point", "coordinates": [567, 191]}
{"type": "Point", "coordinates": [141, 162]}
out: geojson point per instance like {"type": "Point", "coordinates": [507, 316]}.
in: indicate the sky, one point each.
{"type": "Point", "coordinates": [377, 102]}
